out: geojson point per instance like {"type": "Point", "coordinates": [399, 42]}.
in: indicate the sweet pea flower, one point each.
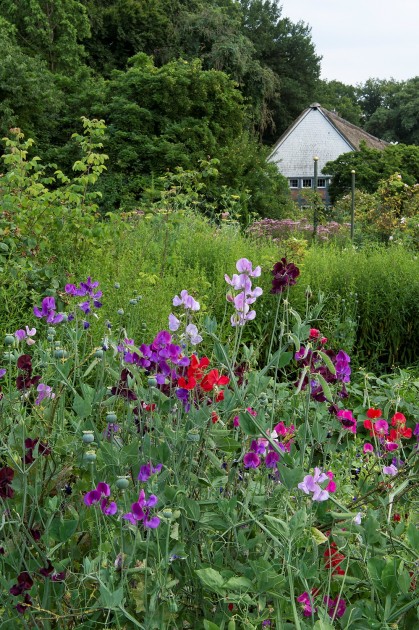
{"type": "Point", "coordinates": [390, 470]}
{"type": "Point", "coordinates": [174, 322]}
{"type": "Point", "coordinates": [357, 519]}
{"type": "Point", "coordinates": [47, 310]}
{"type": "Point", "coordinates": [187, 301]}
{"type": "Point", "coordinates": [140, 512]}
{"type": "Point", "coordinates": [27, 334]}
{"type": "Point", "coordinates": [306, 602]}
{"type": "Point", "coordinates": [245, 266]}
{"type": "Point", "coordinates": [101, 495]}
{"type": "Point", "coordinates": [192, 334]}
{"type": "Point", "coordinates": [310, 484]}
{"type": "Point", "coordinates": [44, 391]}
{"type": "Point", "coordinates": [2, 372]}
{"type": "Point", "coordinates": [368, 448]}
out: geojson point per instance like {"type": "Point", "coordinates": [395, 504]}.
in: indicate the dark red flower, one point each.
{"type": "Point", "coordinates": [24, 583]}
{"type": "Point", "coordinates": [285, 275]}
{"type": "Point", "coordinates": [6, 478]}
{"type": "Point", "coordinates": [47, 570]}
{"type": "Point", "coordinates": [24, 362]}
{"type": "Point", "coordinates": [21, 608]}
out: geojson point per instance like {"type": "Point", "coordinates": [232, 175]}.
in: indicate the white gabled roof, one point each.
{"type": "Point", "coordinates": [317, 132]}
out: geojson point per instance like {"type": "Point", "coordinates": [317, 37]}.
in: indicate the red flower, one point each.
{"type": "Point", "coordinates": [212, 379]}
{"type": "Point", "coordinates": [194, 373]}
{"type": "Point", "coordinates": [333, 558]}
{"type": "Point", "coordinates": [214, 417]}
{"type": "Point", "coordinates": [396, 517]}
{"type": "Point", "coordinates": [398, 419]}
{"type": "Point", "coordinates": [374, 413]}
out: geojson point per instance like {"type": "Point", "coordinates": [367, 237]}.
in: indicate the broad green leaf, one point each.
{"type": "Point", "coordinates": [238, 583]}
{"type": "Point", "coordinates": [210, 578]}
{"type": "Point", "coordinates": [209, 625]}
{"type": "Point", "coordinates": [318, 536]}
{"type": "Point", "coordinates": [111, 600]}
{"type": "Point", "coordinates": [247, 423]}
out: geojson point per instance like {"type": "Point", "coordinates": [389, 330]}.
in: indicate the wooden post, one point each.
{"type": "Point", "coordinates": [352, 204]}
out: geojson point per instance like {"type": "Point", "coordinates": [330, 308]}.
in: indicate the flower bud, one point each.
{"type": "Point", "coordinates": [193, 435]}
{"type": "Point", "coordinates": [152, 381]}
{"type": "Point", "coordinates": [88, 437]}
{"type": "Point", "coordinates": [120, 311]}
{"type": "Point", "coordinates": [111, 417]}
{"type": "Point", "coordinates": [90, 457]}
{"type": "Point", "coordinates": [59, 353]}
{"type": "Point", "coordinates": [122, 483]}
{"type": "Point", "coordinates": [99, 353]}
{"type": "Point", "coordinates": [9, 340]}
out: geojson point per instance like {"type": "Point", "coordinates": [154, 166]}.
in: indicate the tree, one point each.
{"type": "Point", "coordinates": [371, 167]}
{"type": "Point", "coordinates": [49, 30]}
{"type": "Point", "coordinates": [339, 97]}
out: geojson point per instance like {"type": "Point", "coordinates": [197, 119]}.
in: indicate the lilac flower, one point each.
{"type": "Point", "coordinates": [2, 372]}
{"type": "Point", "coordinates": [140, 511]}
{"type": "Point", "coordinates": [192, 333]}
{"type": "Point", "coordinates": [187, 301]}
{"type": "Point", "coordinates": [243, 265]}
{"type": "Point", "coordinates": [147, 470]}
{"type": "Point", "coordinates": [174, 322]}
{"type": "Point", "coordinates": [88, 289]}
{"type": "Point", "coordinates": [390, 470]}
{"type": "Point", "coordinates": [101, 494]}
{"type": "Point", "coordinates": [47, 310]}
{"type": "Point", "coordinates": [44, 391]}
{"type": "Point", "coordinates": [311, 484]}
{"type": "Point", "coordinates": [26, 334]}
{"type": "Point", "coordinates": [357, 519]}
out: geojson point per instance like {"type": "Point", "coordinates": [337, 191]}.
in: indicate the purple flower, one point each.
{"type": "Point", "coordinates": [335, 607]}
{"type": "Point", "coordinates": [246, 295]}
{"type": "Point", "coordinates": [2, 373]}
{"type": "Point", "coordinates": [311, 484]}
{"type": "Point", "coordinates": [48, 311]}
{"type": "Point", "coordinates": [306, 602]}
{"type": "Point", "coordinates": [251, 460]}
{"type": "Point", "coordinates": [346, 418]}
{"type": "Point", "coordinates": [147, 470]}
{"type": "Point", "coordinates": [101, 494]}
{"type": "Point", "coordinates": [44, 391]}
{"type": "Point", "coordinates": [284, 275]}
{"type": "Point", "coordinates": [343, 371]}
{"type": "Point", "coordinates": [271, 459]}
{"type": "Point", "coordinates": [192, 334]}
{"type": "Point", "coordinates": [140, 512]}
{"type": "Point", "coordinates": [243, 265]}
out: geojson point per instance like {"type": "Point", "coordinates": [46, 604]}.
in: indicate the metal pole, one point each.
{"type": "Point", "coordinates": [352, 205]}
{"type": "Point", "coordinates": [316, 164]}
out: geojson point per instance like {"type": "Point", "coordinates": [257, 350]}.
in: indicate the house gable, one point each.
{"type": "Point", "coordinates": [312, 134]}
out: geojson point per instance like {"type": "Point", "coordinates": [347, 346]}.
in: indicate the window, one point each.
{"type": "Point", "coordinates": [306, 183]}
{"type": "Point", "coordinates": [321, 182]}
{"type": "Point", "coordinates": [293, 183]}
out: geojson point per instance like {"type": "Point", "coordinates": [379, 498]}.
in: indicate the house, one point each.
{"type": "Point", "coordinates": [316, 133]}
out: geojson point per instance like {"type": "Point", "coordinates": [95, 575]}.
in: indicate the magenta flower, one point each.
{"type": "Point", "coordinates": [47, 310]}
{"type": "Point", "coordinates": [271, 460]}
{"type": "Point", "coordinates": [335, 607]}
{"type": "Point", "coordinates": [140, 512]}
{"type": "Point", "coordinates": [381, 427]}
{"type": "Point", "coordinates": [343, 371]}
{"type": "Point", "coordinates": [251, 460]}
{"type": "Point", "coordinates": [310, 484]}
{"type": "Point", "coordinates": [306, 602]}
{"type": "Point", "coordinates": [101, 494]}
{"type": "Point", "coordinates": [368, 448]}
{"type": "Point", "coordinates": [346, 418]}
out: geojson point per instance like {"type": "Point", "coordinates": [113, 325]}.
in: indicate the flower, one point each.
{"type": "Point", "coordinates": [343, 371]}
{"type": "Point", "coordinates": [311, 484]}
{"type": "Point", "coordinates": [101, 493]}
{"type": "Point", "coordinates": [6, 478]}
{"type": "Point", "coordinates": [368, 448]}
{"type": "Point", "coordinates": [24, 583]}
{"type": "Point", "coordinates": [2, 372]}
{"type": "Point", "coordinates": [186, 300]}
{"type": "Point", "coordinates": [251, 460]}
{"type": "Point", "coordinates": [47, 310]}
{"type": "Point", "coordinates": [26, 334]}
{"type": "Point", "coordinates": [174, 322]}
{"type": "Point", "coordinates": [245, 266]}
{"type": "Point", "coordinates": [374, 413]}
{"type": "Point", "coordinates": [333, 559]}
{"type": "Point", "coordinates": [192, 334]}
{"type": "Point", "coordinates": [147, 470]}
{"type": "Point", "coordinates": [357, 519]}
{"type": "Point", "coordinates": [140, 512]}
{"type": "Point", "coordinates": [44, 391]}
{"type": "Point", "coordinates": [348, 421]}
{"type": "Point", "coordinates": [390, 470]}
{"type": "Point", "coordinates": [284, 275]}
{"type": "Point", "coordinates": [306, 602]}
{"type": "Point", "coordinates": [213, 379]}
{"type": "Point", "coordinates": [246, 295]}
{"type": "Point", "coordinates": [335, 607]}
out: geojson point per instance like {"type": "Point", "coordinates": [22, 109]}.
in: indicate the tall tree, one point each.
{"type": "Point", "coordinates": [339, 97]}
{"type": "Point", "coordinates": [49, 29]}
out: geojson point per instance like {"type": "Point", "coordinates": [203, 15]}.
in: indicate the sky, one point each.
{"type": "Point", "coordinates": [361, 39]}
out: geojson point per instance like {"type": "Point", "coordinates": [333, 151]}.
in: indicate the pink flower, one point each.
{"type": "Point", "coordinates": [368, 448]}
{"type": "Point", "coordinates": [390, 470]}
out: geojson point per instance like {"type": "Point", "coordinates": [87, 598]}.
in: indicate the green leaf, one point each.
{"type": "Point", "coordinates": [110, 600]}
{"type": "Point", "coordinates": [211, 579]}
{"type": "Point", "coordinates": [237, 583]}
{"type": "Point", "coordinates": [413, 536]}
{"type": "Point", "coordinates": [318, 536]}
{"type": "Point", "coordinates": [62, 530]}
{"type": "Point", "coordinates": [82, 407]}
{"type": "Point", "coordinates": [192, 509]}
{"type": "Point", "coordinates": [209, 625]}
{"type": "Point", "coordinates": [290, 477]}
{"type": "Point", "coordinates": [322, 624]}
{"type": "Point", "coordinates": [247, 423]}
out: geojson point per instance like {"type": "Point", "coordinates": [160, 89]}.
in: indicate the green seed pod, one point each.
{"type": "Point", "coordinates": [122, 483]}
{"type": "Point", "coordinates": [89, 457]}
{"type": "Point", "coordinates": [9, 340]}
{"type": "Point", "coordinates": [120, 311]}
{"type": "Point", "coordinates": [50, 338]}
{"type": "Point", "coordinates": [59, 353]}
{"type": "Point", "coordinates": [51, 331]}
{"type": "Point", "coordinates": [152, 382]}
{"type": "Point", "coordinates": [133, 302]}
{"type": "Point", "coordinates": [111, 417]}
{"type": "Point", "coordinates": [167, 513]}
{"type": "Point", "coordinates": [193, 436]}
{"type": "Point", "coordinates": [231, 625]}
{"type": "Point", "coordinates": [88, 437]}
{"type": "Point", "coordinates": [99, 353]}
